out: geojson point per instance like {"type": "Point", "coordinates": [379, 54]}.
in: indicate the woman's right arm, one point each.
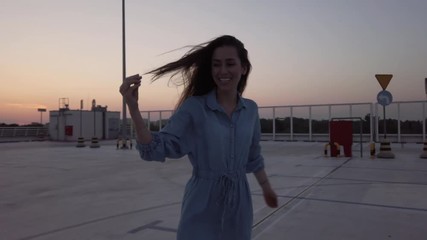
{"type": "Point", "coordinates": [129, 90]}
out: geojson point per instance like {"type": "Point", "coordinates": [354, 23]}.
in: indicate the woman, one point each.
{"type": "Point", "coordinates": [219, 130]}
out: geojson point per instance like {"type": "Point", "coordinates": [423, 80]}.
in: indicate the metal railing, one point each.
{"type": "Point", "coordinates": [13, 132]}
{"type": "Point", "coordinates": [398, 111]}
{"type": "Point", "coordinates": [402, 113]}
{"type": "Point", "coordinates": [327, 111]}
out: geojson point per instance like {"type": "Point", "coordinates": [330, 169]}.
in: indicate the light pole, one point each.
{"type": "Point", "coordinates": [41, 110]}
{"type": "Point", "coordinates": [81, 120]}
{"type": "Point", "coordinates": [94, 117]}
{"type": "Point", "coordinates": [124, 122]}
{"type": "Point", "coordinates": [80, 140]}
{"type": "Point", "coordinates": [94, 143]}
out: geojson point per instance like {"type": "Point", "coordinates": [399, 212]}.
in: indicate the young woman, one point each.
{"type": "Point", "coordinates": [219, 130]}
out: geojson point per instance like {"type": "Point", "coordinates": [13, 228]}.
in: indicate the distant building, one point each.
{"type": "Point", "coordinates": [64, 124]}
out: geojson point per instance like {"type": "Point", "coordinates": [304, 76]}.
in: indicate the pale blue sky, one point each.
{"type": "Point", "coordinates": [302, 51]}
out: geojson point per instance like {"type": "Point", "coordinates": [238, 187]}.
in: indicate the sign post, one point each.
{"type": "Point", "coordinates": [384, 98]}
{"type": "Point", "coordinates": [424, 112]}
{"type": "Point", "coordinates": [424, 153]}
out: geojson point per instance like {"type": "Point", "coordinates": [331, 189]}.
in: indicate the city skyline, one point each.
{"type": "Point", "coordinates": [302, 52]}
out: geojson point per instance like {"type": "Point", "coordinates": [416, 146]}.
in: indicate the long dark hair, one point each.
{"type": "Point", "coordinates": [195, 67]}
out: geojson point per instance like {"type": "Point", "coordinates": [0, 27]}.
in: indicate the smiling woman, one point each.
{"type": "Point", "coordinates": [219, 130]}
{"type": "Point", "coordinates": [227, 71]}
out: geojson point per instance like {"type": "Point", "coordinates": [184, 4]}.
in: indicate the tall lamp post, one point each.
{"type": "Point", "coordinates": [80, 140]}
{"type": "Point", "coordinates": [94, 142]}
{"type": "Point", "coordinates": [124, 122]}
{"type": "Point", "coordinates": [81, 119]}
{"type": "Point", "coordinates": [41, 110]}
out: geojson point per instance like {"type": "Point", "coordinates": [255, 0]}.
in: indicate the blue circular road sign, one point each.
{"type": "Point", "coordinates": [384, 98]}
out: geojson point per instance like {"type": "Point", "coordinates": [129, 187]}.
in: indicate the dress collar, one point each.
{"type": "Point", "coordinates": [214, 105]}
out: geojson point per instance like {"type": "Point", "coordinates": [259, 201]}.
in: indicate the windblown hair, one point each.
{"type": "Point", "coordinates": [196, 67]}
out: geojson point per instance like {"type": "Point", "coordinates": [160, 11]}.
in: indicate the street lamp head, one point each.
{"type": "Point", "coordinates": [41, 110]}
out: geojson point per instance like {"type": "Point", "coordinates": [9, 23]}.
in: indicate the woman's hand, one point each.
{"type": "Point", "coordinates": [129, 90]}
{"type": "Point", "coordinates": [270, 197]}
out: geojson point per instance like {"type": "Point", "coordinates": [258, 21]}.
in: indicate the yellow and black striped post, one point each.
{"type": "Point", "coordinates": [338, 149]}
{"type": "Point", "coordinates": [326, 149]}
{"type": "Point", "coordinates": [372, 150]}
{"type": "Point", "coordinates": [385, 150]}
{"type": "Point", "coordinates": [94, 143]}
{"type": "Point", "coordinates": [80, 142]}
{"type": "Point", "coordinates": [424, 154]}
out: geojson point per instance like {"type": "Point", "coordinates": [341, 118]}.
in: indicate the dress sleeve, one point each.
{"type": "Point", "coordinates": [256, 160]}
{"type": "Point", "coordinates": [172, 140]}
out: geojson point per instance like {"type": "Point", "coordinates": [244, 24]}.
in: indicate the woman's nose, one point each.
{"type": "Point", "coordinates": [223, 68]}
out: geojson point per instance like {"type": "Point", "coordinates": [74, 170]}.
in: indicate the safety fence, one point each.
{"type": "Point", "coordinates": [12, 132]}
{"type": "Point", "coordinates": [405, 121]}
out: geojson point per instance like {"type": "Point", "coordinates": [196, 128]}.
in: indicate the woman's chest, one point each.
{"type": "Point", "coordinates": [218, 127]}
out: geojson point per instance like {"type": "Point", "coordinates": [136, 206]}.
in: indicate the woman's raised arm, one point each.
{"type": "Point", "coordinates": [129, 90]}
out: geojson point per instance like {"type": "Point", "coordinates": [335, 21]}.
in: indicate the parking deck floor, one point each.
{"type": "Point", "coordinates": [56, 191]}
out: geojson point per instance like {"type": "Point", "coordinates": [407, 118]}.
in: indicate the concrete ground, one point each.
{"type": "Point", "coordinates": [55, 191]}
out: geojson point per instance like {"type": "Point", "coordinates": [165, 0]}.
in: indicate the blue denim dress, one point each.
{"type": "Point", "coordinates": [217, 203]}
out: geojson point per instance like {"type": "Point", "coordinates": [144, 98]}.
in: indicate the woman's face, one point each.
{"type": "Point", "coordinates": [227, 68]}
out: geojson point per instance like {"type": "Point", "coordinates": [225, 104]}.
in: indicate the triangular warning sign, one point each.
{"type": "Point", "coordinates": [384, 79]}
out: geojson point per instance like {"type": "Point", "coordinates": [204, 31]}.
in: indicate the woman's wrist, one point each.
{"type": "Point", "coordinates": [133, 107]}
{"type": "Point", "coordinates": [263, 182]}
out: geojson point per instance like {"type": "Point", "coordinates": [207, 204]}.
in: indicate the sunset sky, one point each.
{"type": "Point", "coordinates": [302, 51]}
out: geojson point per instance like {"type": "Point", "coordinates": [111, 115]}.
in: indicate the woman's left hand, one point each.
{"type": "Point", "coordinates": [129, 90]}
{"type": "Point", "coordinates": [270, 197]}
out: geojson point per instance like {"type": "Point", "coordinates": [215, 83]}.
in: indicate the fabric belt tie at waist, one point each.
{"type": "Point", "coordinates": [227, 180]}
{"type": "Point", "coordinates": [215, 175]}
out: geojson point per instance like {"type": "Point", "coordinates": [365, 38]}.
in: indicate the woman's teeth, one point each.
{"type": "Point", "coordinates": [224, 79]}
